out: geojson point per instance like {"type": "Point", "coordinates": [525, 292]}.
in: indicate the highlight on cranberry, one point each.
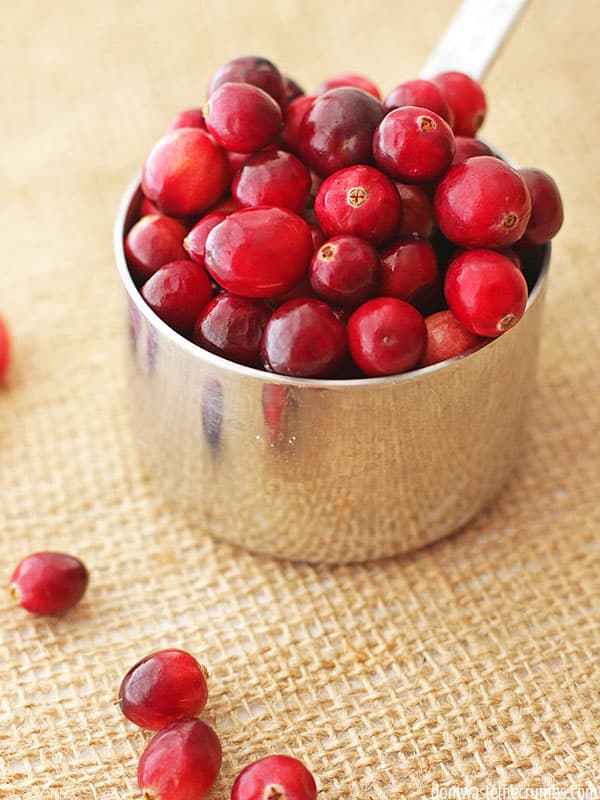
{"type": "Point", "coordinates": [48, 584]}
{"type": "Point", "coordinates": [341, 233]}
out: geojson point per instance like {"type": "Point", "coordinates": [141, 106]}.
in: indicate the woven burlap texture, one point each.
{"type": "Point", "coordinates": [471, 663]}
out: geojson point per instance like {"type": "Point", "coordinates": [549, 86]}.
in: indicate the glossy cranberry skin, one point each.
{"type": "Point", "coordinates": [318, 237]}
{"type": "Point", "coordinates": [446, 338]}
{"type": "Point", "coordinates": [259, 252]}
{"type": "Point", "coordinates": [232, 327]}
{"type": "Point", "coordinates": [292, 122]}
{"type": "Point", "coordinates": [482, 203]}
{"type": "Point", "coordinates": [361, 201]}
{"type": "Point", "coordinates": [242, 117]}
{"type": "Point", "coordinates": [417, 211]}
{"type": "Point", "coordinates": [250, 69]}
{"type": "Point", "coordinates": [408, 266]}
{"type": "Point", "coordinates": [153, 241]}
{"type": "Point", "coordinates": [303, 338]}
{"type": "Point", "coordinates": [185, 172]}
{"type": "Point", "coordinates": [345, 270]}
{"type": "Point", "coordinates": [272, 178]}
{"type": "Point", "coordinates": [546, 207]}
{"type": "Point", "coordinates": [466, 99]}
{"type": "Point", "coordinates": [413, 145]}
{"type": "Point", "coordinates": [194, 243]}
{"type": "Point", "coordinates": [4, 350]}
{"type": "Point", "coordinates": [337, 130]}
{"type": "Point", "coordinates": [485, 292]}
{"type": "Point", "coordinates": [48, 583]}
{"type": "Point", "coordinates": [291, 90]}
{"type": "Point", "coordinates": [386, 336]}
{"type": "Point", "coordinates": [275, 777]}
{"type": "Point", "coordinates": [421, 93]}
{"type": "Point", "coordinates": [177, 293]}
{"type": "Point", "coordinates": [351, 79]}
{"type": "Point", "coordinates": [181, 762]}
{"type": "Point", "coordinates": [189, 118]}
{"type": "Point", "coordinates": [468, 147]}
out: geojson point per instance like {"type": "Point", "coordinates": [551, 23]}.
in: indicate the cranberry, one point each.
{"type": "Point", "coordinates": [482, 203]}
{"type": "Point", "coordinates": [301, 289]}
{"type": "Point", "coordinates": [467, 147]}
{"type": "Point", "coordinates": [272, 178]}
{"type": "Point", "coordinates": [417, 211]}
{"type": "Point", "coordinates": [275, 778]}
{"type": "Point", "coordinates": [147, 208]}
{"type": "Point", "coordinates": [337, 130]}
{"type": "Point", "coordinates": [359, 200]}
{"type": "Point", "coordinates": [185, 172]}
{"type": "Point", "coordinates": [291, 90]}
{"type": "Point", "coordinates": [386, 336]}
{"type": "Point", "coordinates": [292, 122]}
{"type": "Point", "coordinates": [195, 242]}
{"type": "Point", "coordinates": [407, 267]}
{"type": "Point", "coordinates": [345, 270]}
{"type": "Point", "coordinates": [446, 338]}
{"type": "Point", "coordinates": [225, 206]}
{"type": "Point", "coordinates": [318, 237]}
{"type": "Point", "coordinates": [350, 79]}
{"type": "Point", "coordinates": [413, 144]}
{"type": "Point", "coordinates": [177, 293]}
{"type": "Point", "coordinates": [466, 100]}
{"type": "Point", "coordinates": [232, 327]}
{"type": "Point", "coordinates": [162, 687]}
{"type": "Point", "coordinates": [546, 207]}
{"type": "Point", "coordinates": [181, 762]}
{"type": "Point", "coordinates": [303, 338]}
{"type": "Point", "coordinates": [48, 583]}
{"type": "Point", "coordinates": [259, 252]}
{"type": "Point", "coordinates": [153, 241]}
{"type": "Point", "coordinates": [250, 69]}
{"type": "Point", "coordinates": [242, 117]}
{"type": "Point", "coordinates": [421, 93]}
{"type": "Point", "coordinates": [485, 292]}
{"type": "Point", "coordinates": [4, 350]}
{"type": "Point", "coordinates": [189, 118]}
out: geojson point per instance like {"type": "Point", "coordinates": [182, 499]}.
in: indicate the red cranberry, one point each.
{"type": "Point", "coordinates": [546, 207]}
{"type": "Point", "coordinates": [485, 292]}
{"type": "Point", "coordinates": [359, 200]}
{"type": "Point", "coordinates": [259, 252]}
{"type": "Point", "coordinates": [345, 270]}
{"type": "Point", "coordinates": [446, 338]}
{"type": "Point", "coordinates": [337, 130]}
{"type": "Point", "coordinates": [242, 117]}
{"type": "Point", "coordinates": [152, 242]}
{"type": "Point", "coordinates": [413, 144]}
{"type": "Point", "coordinates": [162, 687]}
{"type": "Point", "coordinates": [232, 327]}
{"type": "Point", "coordinates": [225, 206]}
{"type": "Point", "coordinates": [195, 242]}
{"type": "Point", "coordinates": [272, 178]}
{"type": "Point", "coordinates": [417, 211]}
{"type": "Point", "coordinates": [467, 147]}
{"type": "Point", "coordinates": [291, 90]}
{"type": "Point", "coordinates": [190, 118]}
{"type": "Point", "coordinates": [185, 172]}
{"type": "Point", "coordinates": [250, 69]}
{"type": "Point", "coordinates": [407, 267]}
{"type": "Point", "coordinates": [350, 79]}
{"type": "Point", "coordinates": [302, 289]}
{"type": "Point", "coordinates": [177, 293]}
{"type": "Point", "coordinates": [303, 338]}
{"type": "Point", "coordinates": [466, 100]}
{"type": "Point", "coordinates": [386, 336]}
{"type": "Point", "coordinates": [181, 762]}
{"type": "Point", "coordinates": [421, 93]}
{"type": "Point", "coordinates": [4, 350]}
{"type": "Point", "coordinates": [318, 237]}
{"type": "Point", "coordinates": [147, 208]}
{"type": "Point", "coordinates": [482, 203]}
{"type": "Point", "coordinates": [275, 778]}
{"type": "Point", "coordinates": [292, 122]}
{"type": "Point", "coordinates": [48, 583]}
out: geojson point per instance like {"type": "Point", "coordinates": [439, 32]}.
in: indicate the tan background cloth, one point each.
{"type": "Point", "coordinates": [473, 662]}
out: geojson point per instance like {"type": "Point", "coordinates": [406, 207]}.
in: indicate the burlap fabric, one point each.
{"type": "Point", "coordinates": [472, 663]}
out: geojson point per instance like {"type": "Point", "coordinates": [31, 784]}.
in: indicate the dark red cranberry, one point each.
{"type": "Point", "coordinates": [275, 778]}
{"type": "Point", "coordinates": [485, 292]}
{"type": "Point", "coordinates": [421, 93]}
{"type": "Point", "coordinates": [177, 293]}
{"type": "Point", "coordinates": [225, 206]}
{"type": "Point", "coordinates": [4, 350]}
{"type": "Point", "coordinates": [468, 147]}
{"type": "Point", "coordinates": [189, 118]}
{"type": "Point", "coordinates": [304, 339]}
{"type": "Point", "coordinates": [361, 201]}
{"type": "Point", "coordinates": [242, 117]}
{"type": "Point", "coordinates": [195, 242]}
{"type": "Point", "coordinates": [417, 211]}
{"type": "Point", "coordinates": [345, 270]}
{"type": "Point", "coordinates": [337, 130]}
{"type": "Point", "coordinates": [446, 338]}
{"type": "Point", "coordinates": [272, 178]}
{"type": "Point", "coordinates": [482, 203]}
{"type": "Point", "coordinates": [259, 252]}
{"type": "Point", "coordinates": [232, 327]}
{"type": "Point", "coordinates": [546, 208]}
{"type": "Point", "coordinates": [181, 762]}
{"type": "Point", "coordinates": [407, 267]}
{"type": "Point", "coordinates": [185, 172]}
{"type": "Point", "coordinates": [235, 161]}
{"type": "Point", "coordinates": [152, 242]}
{"type": "Point", "coordinates": [301, 289]}
{"type": "Point", "coordinates": [466, 100]}
{"type": "Point", "coordinates": [250, 69]}
{"type": "Point", "coordinates": [318, 237]}
{"type": "Point", "coordinates": [413, 144]}
{"type": "Point", "coordinates": [291, 91]}
{"type": "Point", "coordinates": [350, 79]}
{"type": "Point", "coordinates": [48, 583]}
{"type": "Point", "coordinates": [386, 336]}
{"type": "Point", "coordinates": [147, 208]}
{"type": "Point", "coordinates": [292, 122]}
{"type": "Point", "coordinates": [164, 686]}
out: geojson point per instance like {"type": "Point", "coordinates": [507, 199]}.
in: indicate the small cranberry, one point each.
{"type": "Point", "coordinates": [242, 117]}
{"type": "Point", "coordinates": [250, 69]}
{"type": "Point", "coordinates": [345, 270]}
{"type": "Point", "coordinates": [408, 266]}
{"type": "Point", "coordinates": [466, 100]}
{"type": "Point", "coordinates": [467, 147]}
{"type": "Point", "coordinates": [292, 122]}
{"type": "Point", "coordinates": [421, 93]}
{"type": "Point", "coordinates": [189, 118]}
{"type": "Point", "coordinates": [153, 241]}
{"type": "Point", "coordinates": [417, 211]}
{"type": "Point", "coordinates": [232, 327]}
{"type": "Point", "coordinates": [195, 242]}
{"type": "Point", "coordinates": [485, 292]}
{"type": "Point", "coordinates": [546, 208]}
{"type": "Point", "coordinates": [181, 762]}
{"type": "Point", "coordinates": [272, 178]}
{"type": "Point", "coordinates": [225, 206]}
{"type": "Point", "coordinates": [48, 583]}
{"type": "Point", "coordinates": [303, 338]}
{"type": "Point", "coordinates": [147, 208]}
{"type": "Point", "coordinates": [4, 350]}
{"type": "Point", "coordinates": [350, 79]}
{"type": "Point", "coordinates": [386, 336]}
{"type": "Point", "coordinates": [291, 91]}
{"type": "Point", "coordinates": [446, 338]}
{"type": "Point", "coordinates": [275, 777]}
{"type": "Point", "coordinates": [177, 293]}
{"type": "Point", "coordinates": [318, 237]}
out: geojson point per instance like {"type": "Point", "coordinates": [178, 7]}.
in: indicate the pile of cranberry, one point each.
{"type": "Point", "coordinates": [336, 235]}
